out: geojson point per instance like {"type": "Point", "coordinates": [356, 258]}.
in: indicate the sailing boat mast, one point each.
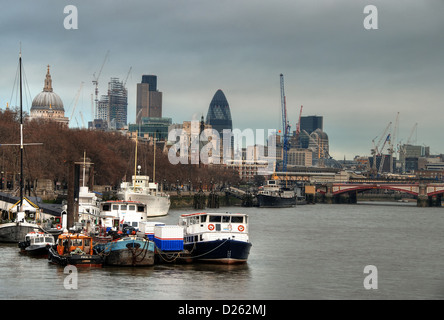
{"type": "Point", "coordinates": [21, 133]}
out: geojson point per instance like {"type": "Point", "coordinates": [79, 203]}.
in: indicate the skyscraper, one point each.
{"type": "Point", "coordinates": [219, 115]}
{"type": "Point", "coordinates": [149, 99]}
{"type": "Point", "coordinates": [113, 107]}
{"type": "Point", "coordinates": [309, 124]}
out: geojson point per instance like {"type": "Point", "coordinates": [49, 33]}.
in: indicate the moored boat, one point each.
{"type": "Point", "coordinates": [216, 237]}
{"type": "Point", "coordinates": [274, 195]}
{"type": "Point", "coordinates": [37, 244]}
{"type": "Point", "coordinates": [75, 249]}
{"type": "Point", "coordinates": [114, 214]}
{"type": "Point", "coordinates": [128, 251]}
{"type": "Point", "coordinates": [25, 213]}
{"type": "Point", "coordinates": [25, 220]}
{"type": "Point", "coordinates": [141, 190]}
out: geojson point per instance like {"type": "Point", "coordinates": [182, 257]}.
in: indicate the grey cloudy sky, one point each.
{"type": "Point", "coordinates": [357, 79]}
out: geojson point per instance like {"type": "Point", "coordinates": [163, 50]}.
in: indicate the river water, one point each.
{"type": "Point", "coordinates": [307, 252]}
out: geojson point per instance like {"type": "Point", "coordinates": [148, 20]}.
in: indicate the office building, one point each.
{"type": "Point", "coordinates": [219, 115]}
{"type": "Point", "coordinates": [149, 99]}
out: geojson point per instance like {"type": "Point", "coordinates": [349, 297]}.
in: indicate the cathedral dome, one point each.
{"type": "Point", "coordinates": [47, 99]}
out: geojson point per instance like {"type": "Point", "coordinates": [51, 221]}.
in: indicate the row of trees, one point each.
{"type": "Point", "coordinates": [111, 152]}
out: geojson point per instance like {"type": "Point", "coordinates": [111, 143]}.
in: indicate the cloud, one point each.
{"type": "Point", "coordinates": [357, 79]}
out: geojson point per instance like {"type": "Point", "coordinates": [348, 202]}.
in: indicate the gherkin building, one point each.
{"type": "Point", "coordinates": [219, 115]}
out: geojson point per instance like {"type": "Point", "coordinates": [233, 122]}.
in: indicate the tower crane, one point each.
{"type": "Point", "coordinates": [298, 128]}
{"type": "Point", "coordinates": [392, 142]}
{"type": "Point", "coordinates": [376, 151]}
{"type": "Point", "coordinates": [285, 126]}
{"type": "Point", "coordinates": [381, 164]}
{"type": "Point", "coordinates": [124, 82]}
{"type": "Point", "coordinates": [96, 83]}
{"type": "Point", "coordinates": [76, 101]}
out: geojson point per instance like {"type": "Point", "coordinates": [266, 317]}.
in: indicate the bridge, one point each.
{"type": "Point", "coordinates": [427, 194]}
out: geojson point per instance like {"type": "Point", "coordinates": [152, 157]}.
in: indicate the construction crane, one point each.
{"type": "Point", "coordinates": [381, 164]}
{"type": "Point", "coordinates": [298, 128]}
{"type": "Point", "coordinates": [376, 151]}
{"type": "Point", "coordinates": [76, 101]}
{"type": "Point", "coordinates": [285, 126]}
{"type": "Point", "coordinates": [392, 143]}
{"type": "Point", "coordinates": [124, 82]}
{"type": "Point", "coordinates": [96, 83]}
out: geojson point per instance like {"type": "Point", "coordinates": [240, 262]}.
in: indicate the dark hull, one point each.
{"type": "Point", "coordinates": [14, 232]}
{"type": "Point", "coordinates": [130, 258]}
{"type": "Point", "coordinates": [267, 201]}
{"type": "Point", "coordinates": [37, 251]}
{"type": "Point", "coordinates": [127, 252]}
{"type": "Point", "coordinates": [219, 251]}
{"type": "Point", "coordinates": [84, 260]}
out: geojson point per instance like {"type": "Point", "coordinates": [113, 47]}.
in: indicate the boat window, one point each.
{"type": "Point", "coordinates": [140, 208]}
{"type": "Point", "coordinates": [49, 239]}
{"type": "Point", "coordinates": [132, 207]}
{"type": "Point", "coordinates": [115, 207]}
{"type": "Point", "coordinates": [237, 219]}
{"type": "Point", "coordinates": [203, 218]}
{"type": "Point", "coordinates": [134, 224]}
{"type": "Point", "coordinates": [215, 218]}
{"type": "Point", "coordinates": [76, 242]}
{"type": "Point", "coordinates": [225, 218]}
{"type": "Point", "coordinates": [123, 207]}
{"type": "Point", "coordinates": [87, 242]}
{"type": "Point", "coordinates": [38, 240]}
{"type": "Point", "coordinates": [106, 207]}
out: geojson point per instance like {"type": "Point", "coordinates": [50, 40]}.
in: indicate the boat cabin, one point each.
{"type": "Point", "coordinates": [214, 226]}
{"type": "Point", "coordinates": [74, 242]}
{"type": "Point", "coordinates": [38, 238]}
{"type": "Point", "coordinates": [115, 214]}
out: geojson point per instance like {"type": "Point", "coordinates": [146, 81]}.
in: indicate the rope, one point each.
{"type": "Point", "coordinates": [193, 257]}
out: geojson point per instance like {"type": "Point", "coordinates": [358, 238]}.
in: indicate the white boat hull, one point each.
{"type": "Point", "coordinates": [156, 206]}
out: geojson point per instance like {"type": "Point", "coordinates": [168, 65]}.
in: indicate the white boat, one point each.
{"type": "Point", "coordinates": [24, 210]}
{"type": "Point", "coordinates": [115, 214]}
{"type": "Point", "coordinates": [37, 244]}
{"type": "Point", "coordinates": [216, 237]}
{"type": "Point", "coordinates": [141, 190]}
{"type": "Point", "coordinates": [89, 208]}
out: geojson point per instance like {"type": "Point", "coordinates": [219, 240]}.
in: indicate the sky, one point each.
{"type": "Point", "coordinates": [357, 79]}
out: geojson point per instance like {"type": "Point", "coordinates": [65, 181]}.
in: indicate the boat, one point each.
{"type": "Point", "coordinates": [36, 244]}
{"type": "Point", "coordinates": [117, 214]}
{"type": "Point", "coordinates": [75, 249]}
{"type": "Point", "coordinates": [26, 213]}
{"type": "Point", "coordinates": [127, 251]}
{"type": "Point", "coordinates": [141, 189]}
{"type": "Point", "coordinates": [274, 194]}
{"type": "Point", "coordinates": [89, 208]}
{"type": "Point", "coordinates": [216, 237]}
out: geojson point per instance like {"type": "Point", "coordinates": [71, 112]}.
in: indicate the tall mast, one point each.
{"type": "Point", "coordinates": [154, 162]}
{"type": "Point", "coordinates": [21, 132]}
{"type": "Point", "coordinates": [135, 166]}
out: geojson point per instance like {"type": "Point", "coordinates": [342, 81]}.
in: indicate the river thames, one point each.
{"type": "Point", "coordinates": [306, 252]}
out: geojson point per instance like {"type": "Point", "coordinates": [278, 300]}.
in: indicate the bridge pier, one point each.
{"type": "Point", "coordinates": [422, 201]}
